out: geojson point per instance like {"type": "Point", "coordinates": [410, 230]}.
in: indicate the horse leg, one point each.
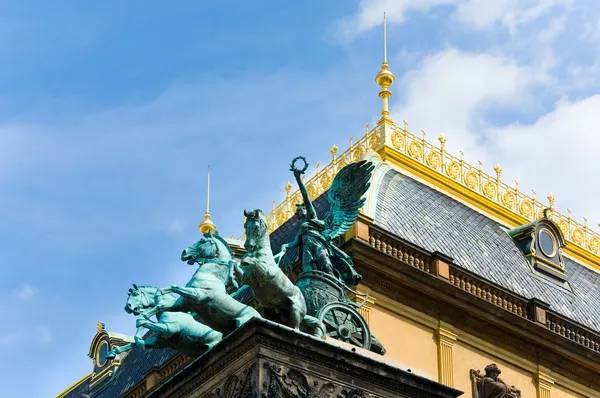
{"type": "Point", "coordinates": [160, 328]}
{"type": "Point", "coordinates": [296, 313]}
{"type": "Point", "coordinates": [313, 326]}
{"type": "Point", "coordinates": [112, 354]}
{"type": "Point", "coordinates": [151, 342]}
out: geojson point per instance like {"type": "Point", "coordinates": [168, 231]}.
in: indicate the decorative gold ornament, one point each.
{"type": "Point", "coordinates": [415, 150]}
{"type": "Point", "coordinates": [526, 208]}
{"type": "Point", "coordinates": [442, 140]}
{"type": "Point", "coordinates": [280, 217]}
{"type": "Point", "coordinates": [594, 244]}
{"type": "Point", "coordinates": [578, 236]}
{"type": "Point", "coordinates": [433, 159]}
{"type": "Point", "coordinates": [325, 181]}
{"type": "Point", "coordinates": [471, 179]}
{"type": "Point", "coordinates": [312, 190]}
{"type": "Point", "coordinates": [342, 163]}
{"type": "Point", "coordinates": [453, 170]}
{"type": "Point", "coordinates": [489, 189]}
{"type": "Point", "coordinates": [358, 153]}
{"type": "Point", "coordinates": [498, 171]}
{"type": "Point", "coordinates": [551, 200]}
{"type": "Point", "coordinates": [374, 141]}
{"type": "Point", "coordinates": [398, 141]}
{"type": "Point", "coordinates": [508, 199]}
{"type": "Point", "coordinates": [564, 228]}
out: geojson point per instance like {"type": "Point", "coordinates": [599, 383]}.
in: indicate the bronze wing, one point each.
{"type": "Point", "coordinates": [345, 197]}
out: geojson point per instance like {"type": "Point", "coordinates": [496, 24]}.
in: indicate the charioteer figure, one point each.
{"type": "Point", "coordinates": [314, 239]}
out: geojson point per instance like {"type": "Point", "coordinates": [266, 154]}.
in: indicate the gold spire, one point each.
{"type": "Point", "coordinates": [385, 78]}
{"type": "Point", "coordinates": [207, 225]}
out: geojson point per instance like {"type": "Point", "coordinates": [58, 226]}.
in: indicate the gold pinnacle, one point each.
{"type": "Point", "coordinates": [333, 150]}
{"type": "Point", "coordinates": [100, 326]}
{"type": "Point", "coordinates": [442, 140]}
{"type": "Point", "coordinates": [498, 170]}
{"type": "Point", "coordinates": [207, 225]}
{"type": "Point", "coordinates": [385, 78]}
{"type": "Point", "coordinates": [551, 200]}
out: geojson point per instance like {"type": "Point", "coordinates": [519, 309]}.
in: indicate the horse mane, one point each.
{"type": "Point", "coordinates": [224, 242]}
{"type": "Point", "coordinates": [135, 287]}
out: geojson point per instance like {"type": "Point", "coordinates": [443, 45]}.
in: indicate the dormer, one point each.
{"type": "Point", "coordinates": [541, 241]}
{"type": "Point", "coordinates": [102, 343]}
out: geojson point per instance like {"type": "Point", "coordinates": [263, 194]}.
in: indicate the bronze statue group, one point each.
{"type": "Point", "coordinates": [207, 308]}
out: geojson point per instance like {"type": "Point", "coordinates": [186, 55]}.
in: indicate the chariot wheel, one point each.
{"type": "Point", "coordinates": [344, 323]}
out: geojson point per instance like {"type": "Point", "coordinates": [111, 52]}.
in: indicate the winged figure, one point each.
{"type": "Point", "coordinates": [314, 239]}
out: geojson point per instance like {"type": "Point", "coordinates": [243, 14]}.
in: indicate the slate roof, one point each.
{"type": "Point", "coordinates": [132, 370]}
{"type": "Point", "coordinates": [436, 222]}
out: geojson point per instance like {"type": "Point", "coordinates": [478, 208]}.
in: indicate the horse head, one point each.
{"type": "Point", "coordinates": [257, 230]}
{"type": "Point", "coordinates": [140, 298]}
{"type": "Point", "coordinates": [210, 247]}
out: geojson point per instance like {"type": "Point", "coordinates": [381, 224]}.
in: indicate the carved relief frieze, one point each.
{"type": "Point", "coordinates": [282, 382]}
{"type": "Point", "coordinates": [238, 385]}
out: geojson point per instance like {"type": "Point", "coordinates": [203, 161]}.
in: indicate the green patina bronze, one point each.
{"type": "Point", "coordinates": [208, 292]}
{"type": "Point", "coordinates": [315, 236]}
{"type": "Point", "coordinates": [177, 330]}
{"type": "Point", "coordinates": [207, 295]}
{"type": "Point", "coordinates": [207, 309]}
{"type": "Point", "coordinates": [278, 299]}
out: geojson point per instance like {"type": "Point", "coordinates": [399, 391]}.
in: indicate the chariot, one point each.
{"type": "Point", "coordinates": [327, 299]}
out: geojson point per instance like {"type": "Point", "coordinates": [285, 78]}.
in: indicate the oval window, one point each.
{"type": "Point", "coordinates": [101, 354]}
{"type": "Point", "coordinates": [547, 243]}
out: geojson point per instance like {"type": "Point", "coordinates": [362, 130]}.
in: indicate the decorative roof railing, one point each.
{"type": "Point", "coordinates": [437, 159]}
{"type": "Point", "coordinates": [485, 290]}
{"type": "Point", "coordinates": [491, 187]}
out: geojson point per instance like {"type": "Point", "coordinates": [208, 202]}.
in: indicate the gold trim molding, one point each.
{"type": "Point", "coordinates": [74, 385]}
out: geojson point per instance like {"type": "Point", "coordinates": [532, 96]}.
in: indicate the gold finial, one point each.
{"type": "Point", "coordinates": [551, 200]}
{"type": "Point", "coordinates": [333, 150]}
{"type": "Point", "coordinates": [207, 225]}
{"type": "Point", "coordinates": [498, 171]}
{"type": "Point", "coordinates": [100, 326]}
{"type": "Point", "coordinates": [288, 188]}
{"type": "Point", "coordinates": [385, 78]}
{"type": "Point", "coordinates": [442, 140]}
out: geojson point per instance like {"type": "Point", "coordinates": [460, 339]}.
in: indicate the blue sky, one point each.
{"type": "Point", "coordinates": [111, 111]}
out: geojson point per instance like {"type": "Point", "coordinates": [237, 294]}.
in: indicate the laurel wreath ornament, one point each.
{"type": "Point", "coordinates": [293, 165]}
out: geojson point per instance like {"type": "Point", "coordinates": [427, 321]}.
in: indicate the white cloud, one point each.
{"type": "Point", "coordinates": [484, 14]}
{"type": "Point", "coordinates": [26, 292]}
{"type": "Point", "coordinates": [370, 14]}
{"type": "Point", "coordinates": [478, 14]}
{"type": "Point", "coordinates": [452, 90]}
{"type": "Point", "coordinates": [44, 336]}
{"type": "Point", "coordinates": [558, 152]}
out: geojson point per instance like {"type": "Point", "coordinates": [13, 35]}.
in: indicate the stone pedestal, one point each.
{"type": "Point", "coordinates": [266, 360]}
